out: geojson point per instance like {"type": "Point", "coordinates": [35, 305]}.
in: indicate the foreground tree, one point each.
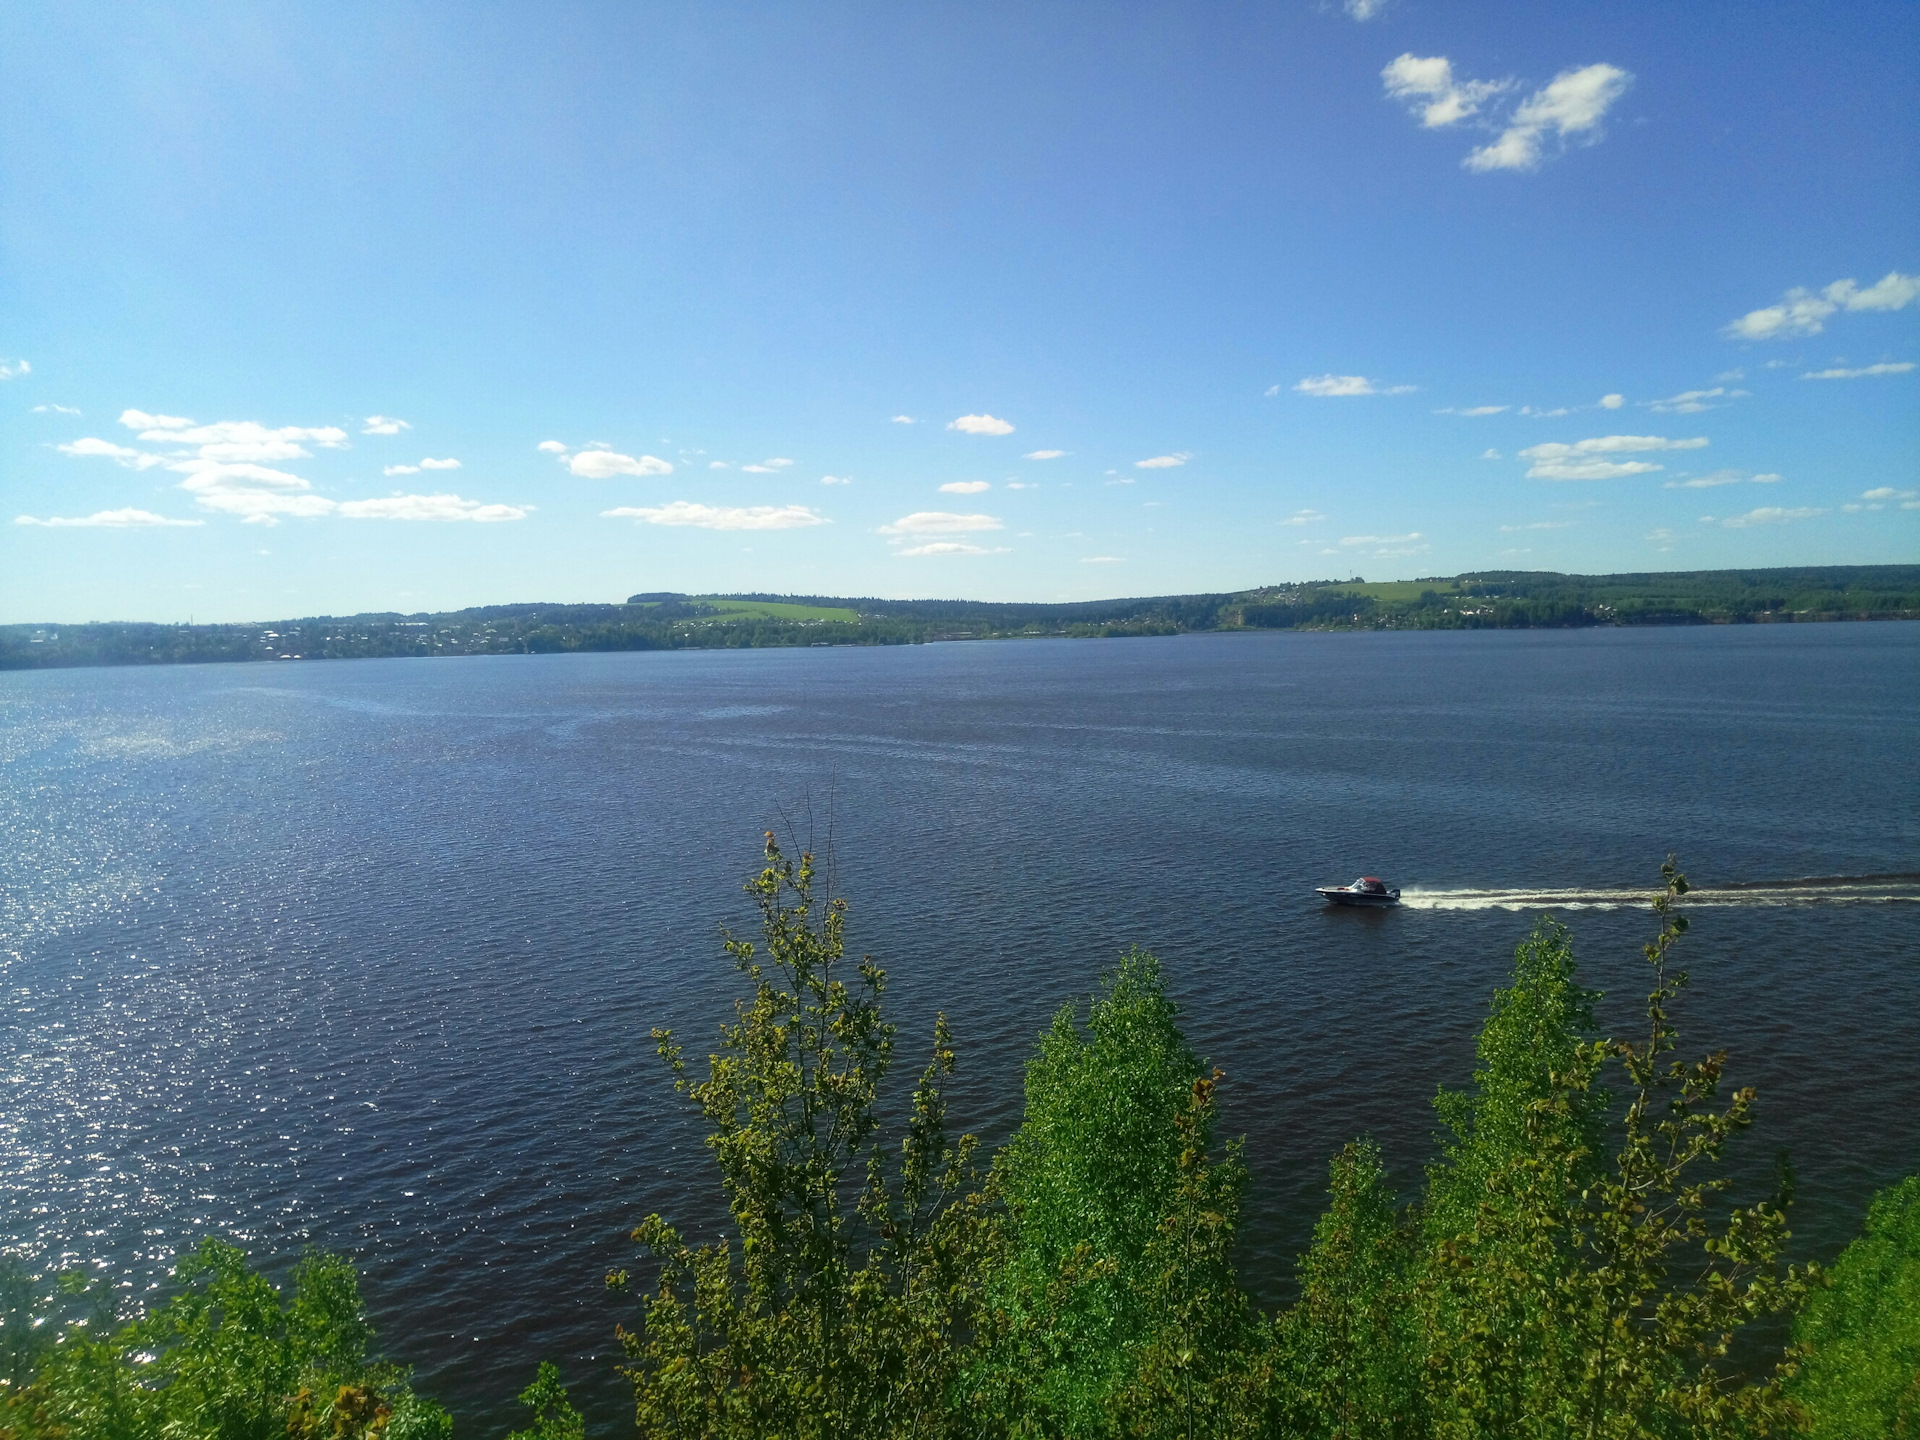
{"type": "Point", "coordinates": [227, 1358]}
{"type": "Point", "coordinates": [845, 1302]}
{"type": "Point", "coordinates": [1861, 1335]}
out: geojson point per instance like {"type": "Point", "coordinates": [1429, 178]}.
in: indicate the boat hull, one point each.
{"type": "Point", "coordinates": [1336, 895]}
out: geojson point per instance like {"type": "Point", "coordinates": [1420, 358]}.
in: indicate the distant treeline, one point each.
{"type": "Point", "coordinates": [1505, 599]}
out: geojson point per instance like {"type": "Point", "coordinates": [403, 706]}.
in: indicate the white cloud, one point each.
{"type": "Point", "coordinates": [1544, 414]}
{"type": "Point", "coordinates": [255, 493]}
{"type": "Point", "coordinates": [777, 463]}
{"type": "Point", "coordinates": [140, 420]}
{"type": "Point", "coordinates": [1556, 461]}
{"type": "Point", "coordinates": [124, 455]}
{"type": "Point", "coordinates": [835, 480]}
{"type": "Point", "coordinates": [964, 487]}
{"type": "Point", "coordinates": [1692, 402]}
{"type": "Point", "coordinates": [1767, 479]}
{"type": "Point", "coordinates": [106, 520]}
{"type": "Point", "coordinates": [1380, 539]}
{"type": "Point", "coordinates": [939, 522]}
{"type": "Point", "coordinates": [1303, 517]}
{"type": "Point", "coordinates": [1100, 559]}
{"type": "Point", "coordinates": [605, 464]}
{"type": "Point", "coordinates": [401, 470]}
{"type": "Point", "coordinates": [551, 447]}
{"type": "Point", "coordinates": [980, 425]}
{"type": "Point", "coordinates": [1709, 482]}
{"type": "Point", "coordinates": [716, 465]}
{"type": "Point", "coordinates": [1327, 386]}
{"type": "Point", "coordinates": [1364, 10]}
{"type": "Point", "coordinates": [447, 464]}
{"type": "Point", "coordinates": [1769, 515]}
{"type": "Point", "coordinates": [429, 507]}
{"type": "Point", "coordinates": [720, 517]}
{"type": "Point", "coordinates": [14, 369]}
{"type": "Point", "coordinates": [1538, 525]}
{"type": "Point", "coordinates": [1887, 492]}
{"type": "Point", "coordinates": [1427, 87]}
{"type": "Point", "coordinates": [905, 420]}
{"type": "Point", "coordinates": [383, 425]}
{"type": "Point", "coordinates": [1023, 484]}
{"type": "Point", "coordinates": [1164, 462]}
{"type": "Point", "coordinates": [1473, 410]}
{"type": "Point", "coordinates": [1895, 367]}
{"type": "Point", "coordinates": [1123, 480]}
{"type": "Point", "coordinates": [1490, 455]}
{"type": "Point", "coordinates": [54, 410]}
{"type": "Point", "coordinates": [1573, 103]}
{"type": "Point", "coordinates": [1804, 312]}
{"type": "Point", "coordinates": [1662, 536]}
{"type": "Point", "coordinates": [1612, 402]}
{"type": "Point", "coordinates": [1043, 455]}
{"type": "Point", "coordinates": [952, 547]}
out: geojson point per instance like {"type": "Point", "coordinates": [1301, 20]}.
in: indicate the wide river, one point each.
{"type": "Point", "coordinates": [365, 954]}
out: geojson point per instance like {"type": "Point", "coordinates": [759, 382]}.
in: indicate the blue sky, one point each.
{"type": "Point", "coordinates": [1034, 301]}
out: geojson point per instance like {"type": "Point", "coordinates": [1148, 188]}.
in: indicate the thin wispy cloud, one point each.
{"type": "Point", "coordinates": [1304, 517]}
{"type": "Point", "coordinates": [1363, 10]}
{"type": "Point", "coordinates": [128, 519]}
{"type": "Point", "coordinates": [400, 470]}
{"type": "Point", "coordinates": [964, 487]}
{"type": "Point", "coordinates": [53, 410]}
{"type": "Point", "coordinates": [1327, 387]}
{"type": "Point", "coordinates": [1721, 477]}
{"type": "Point", "coordinates": [1769, 515]}
{"type": "Point", "coordinates": [1385, 547]}
{"type": "Point", "coordinates": [1806, 312]}
{"type": "Point", "coordinates": [835, 480]}
{"type": "Point", "coordinates": [1473, 410]}
{"type": "Point", "coordinates": [719, 517]}
{"type": "Point", "coordinates": [1538, 525]}
{"type": "Point", "coordinates": [1585, 459]}
{"type": "Point", "coordinates": [1164, 462]}
{"type": "Point", "coordinates": [939, 522]}
{"type": "Point", "coordinates": [952, 547]}
{"type": "Point", "coordinates": [981, 425]}
{"type": "Point", "coordinates": [1881, 496]}
{"type": "Point", "coordinates": [1043, 455]}
{"type": "Point", "coordinates": [91, 448]}
{"type": "Point", "coordinates": [607, 464]}
{"type": "Point", "coordinates": [905, 420]}
{"type": "Point", "coordinates": [1889, 367]}
{"type": "Point", "coordinates": [14, 369]}
{"type": "Point", "coordinates": [439, 508]}
{"type": "Point", "coordinates": [1692, 402]}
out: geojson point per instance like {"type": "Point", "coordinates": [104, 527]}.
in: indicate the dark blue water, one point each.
{"type": "Point", "coordinates": [365, 954]}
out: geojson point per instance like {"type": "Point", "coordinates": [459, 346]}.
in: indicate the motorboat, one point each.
{"type": "Point", "coordinates": [1367, 890]}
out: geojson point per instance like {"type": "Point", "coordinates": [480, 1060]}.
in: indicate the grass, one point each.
{"type": "Point", "coordinates": [1390, 590]}
{"type": "Point", "coordinates": [776, 609]}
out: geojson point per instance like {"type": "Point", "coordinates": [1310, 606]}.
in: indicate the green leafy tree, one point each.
{"type": "Point", "coordinates": [229, 1358]}
{"type": "Point", "coordinates": [1860, 1378]}
{"type": "Point", "coordinates": [1348, 1366]}
{"type": "Point", "coordinates": [845, 1305]}
{"type": "Point", "coordinates": [554, 1417]}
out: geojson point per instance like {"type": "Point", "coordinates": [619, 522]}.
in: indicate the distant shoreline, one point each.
{"type": "Point", "coordinates": [661, 620]}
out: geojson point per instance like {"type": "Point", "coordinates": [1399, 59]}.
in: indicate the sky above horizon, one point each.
{"type": "Point", "coordinates": [310, 310]}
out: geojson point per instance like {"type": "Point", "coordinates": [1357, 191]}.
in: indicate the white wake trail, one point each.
{"type": "Point", "coordinates": [1757, 894]}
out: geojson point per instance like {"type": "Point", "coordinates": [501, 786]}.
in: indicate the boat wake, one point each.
{"type": "Point", "coordinates": [1814, 890]}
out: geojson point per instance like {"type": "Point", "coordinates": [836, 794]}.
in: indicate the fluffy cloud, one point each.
{"type": "Point", "coordinates": [235, 441]}
{"type": "Point", "coordinates": [980, 425]}
{"type": "Point", "coordinates": [952, 547]}
{"type": "Point", "coordinates": [1613, 402]}
{"type": "Point", "coordinates": [1023, 484]}
{"type": "Point", "coordinates": [720, 517]}
{"type": "Point", "coordinates": [141, 420]}
{"type": "Point", "coordinates": [1164, 462]}
{"type": "Point", "coordinates": [106, 450]}
{"type": "Point", "coordinates": [429, 507]}
{"type": "Point", "coordinates": [1880, 494]}
{"type": "Point", "coordinates": [1427, 87]}
{"type": "Point", "coordinates": [1490, 455]}
{"type": "Point", "coordinates": [447, 464]}
{"type": "Point", "coordinates": [1581, 460]}
{"type": "Point", "coordinates": [939, 522]}
{"type": "Point", "coordinates": [964, 487]}
{"type": "Point", "coordinates": [383, 425]}
{"type": "Point", "coordinates": [551, 447]}
{"type": "Point", "coordinates": [905, 420]}
{"type": "Point", "coordinates": [401, 470]}
{"type": "Point", "coordinates": [1572, 104]}
{"type": "Point", "coordinates": [1769, 515]}
{"type": "Point", "coordinates": [1043, 455]}
{"type": "Point", "coordinates": [1896, 367]}
{"type": "Point", "coordinates": [1327, 386]}
{"type": "Point", "coordinates": [106, 520]}
{"type": "Point", "coordinates": [1806, 312]}
{"type": "Point", "coordinates": [1303, 517]}
{"type": "Point", "coordinates": [605, 464]}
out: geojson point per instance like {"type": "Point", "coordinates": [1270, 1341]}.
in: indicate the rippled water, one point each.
{"type": "Point", "coordinates": [365, 954]}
